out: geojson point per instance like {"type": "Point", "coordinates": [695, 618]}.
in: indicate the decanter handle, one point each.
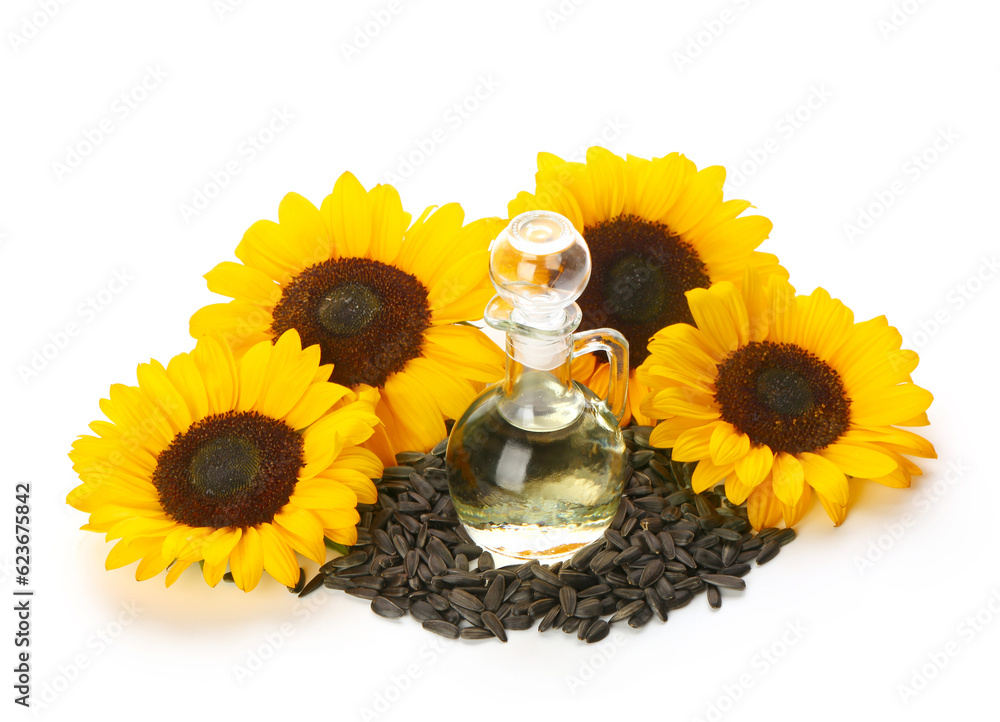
{"type": "Point", "coordinates": [616, 347]}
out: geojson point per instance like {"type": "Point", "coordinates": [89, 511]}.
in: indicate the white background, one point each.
{"type": "Point", "coordinates": [715, 80]}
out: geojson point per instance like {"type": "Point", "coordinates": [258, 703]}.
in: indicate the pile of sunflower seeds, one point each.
{"type": "Point", "coordinates": [665, 546]}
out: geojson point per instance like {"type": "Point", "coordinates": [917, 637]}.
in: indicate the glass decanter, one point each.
{"type": "Point", "coordinates": [537, 462]}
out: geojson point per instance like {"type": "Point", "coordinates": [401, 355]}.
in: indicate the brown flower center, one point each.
{"type": "Point", "coordinates": [782, 396]}
{"type": "Point", "coordinates": [640, 273]}
{"type": "Point", "coordinates": [235, 469]}
{"type": "Point", "coordinates": [367, 317]}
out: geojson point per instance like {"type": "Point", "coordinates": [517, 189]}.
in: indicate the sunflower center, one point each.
{"type": "Point", "coordinates": [641, 271]}
{"type": "Point", "coordinates": [348, 308]}
{"type": "Point", "coordinates": [367, 317]}
{"type": "Point", "coordinates": [236, 469]}
{"type": "Point", "coordinates": [224, 466]}
{"type": "Point", "coordinates": [782, 396]}
{"type": "Point", "coordinates": [784, 391]}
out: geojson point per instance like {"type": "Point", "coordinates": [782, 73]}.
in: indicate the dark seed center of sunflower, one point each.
{"type": "Point", "coordinates": [784, 391]}
{"type": "Point", "coordinates": [782, 396]}
{"type": "Point", "coordinates": [641, 271]}
{"type": "Point", "coordinates": [636, 289]}
{"type": "Point", "coordinates": [346, 309]}
{"type": "Point", "coordinates": [225, 466]}
{"type": "Point", "coordinates": [367, 317]}
{"type": "Point", "coordinates": [236, 469]}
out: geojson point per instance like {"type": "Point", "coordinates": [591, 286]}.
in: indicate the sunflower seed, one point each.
{"type": "Point", "coordinates": [473, 618]}
{"type": "Point", "coordinates": [568, 598]}
{"type": "Point", "coordinates": [494, 594]}
{"type": "Point", "coordinates": [317, 581]}
{"type": "Point", "coordinates": [493, 624]}
{"type": "Point", "coordinates": [737, 570]}
{"type": "Point", "coordinates": [581, 559]}
{"type": "Point", "coordinates": [714, 597]}
{"type": "Point", "coordinates": [630, 593]}
{"type": "Point", "coordinates": [684, 558]}
{"type": "Point", "coordinates": [445, 629]}
{"type": "Point", "coordinates": [588, 608]}
{"type": "Point", "coordinates": [549, 618]}
{"type": "Point", "coordinates": [628, 555]}
{"type": "Point", "coordinates": [545, 575]}
{"type": "Point", "coordinates": [476, 633]}
{"type": "Point", "coordinates": [397, 472]}
{"type": "Point", "coordinates": [604, 562]}
{"type": "Point", "coordinates": [727, 534]}
{"type": "Point", "coordinates": [423, 488]}
{"type": "Point", "coordinates": [769, 551]}
{"type": "Point", "coordinates": [412, 562]}
{"type": "Point", "coordinates": [597, 590]}
{"type": "Point", "coordinates": [627, 611]}
{"type": "Point", "coordinates": [722, 580]}
{"type": "Point", "coordinates": [363, 593]}
{"type": "Point", "coordinates": [707, 558]}
{"type": "Point", "coordinates": [512, 587]}
{"type": "Point", "coordinates": [656, 604]}
{"type": "Point", "coordinates": [784, 536]}
{"type": "Point", "coordinates": [539, 607]}
{"type": "Point", "coordinates": [640, 618]}
{"type": "Point", "coordinates": [544, 588]}
{"type": "Point", "coordinates": [385, 608]}
{"type": "Point", "coordinates": [383, 542]}
{"type": "Point", "coordinates": [640, 458]}
{"type": "Point", "coordinates": [517, 622]}
{"type": "Point", "coordinates": [438, 602]}
{"type": "Point", "coordinates": [667, 544]}
{"type": "Point", "coordinates": [329, 583]}
{"type": "Point", "coordinates": [461, 598]}
{"type": "Point", "coordinates": [351, 560]}
{"type": "Point", "coordinates": [597, 631]}
{"type": "Point", "coordinates": [615, 538]}
{"type": "Point", "coordinates": [652, 572]}
{"type": "Point", "coordinates": [422, 612]}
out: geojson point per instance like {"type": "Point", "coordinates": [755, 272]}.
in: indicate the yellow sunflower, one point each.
{"type": "Point", "coordinates": [228, 462]}
{"type": "Point", "coordinates": [380, 298]}
{"type": "Point", "coordinates": [656, 229]}
{"type": "Point", "coordinates": [780, 396]}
